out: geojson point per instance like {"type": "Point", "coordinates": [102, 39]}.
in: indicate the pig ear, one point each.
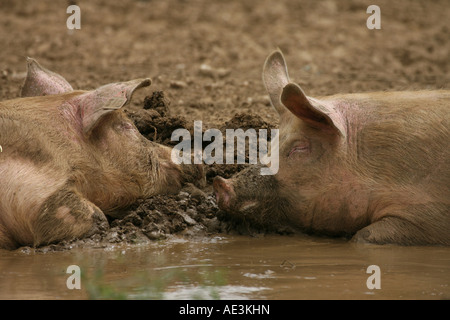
{"type": "Point", "coordinates": [311, 111]}
{"type": "Point", "coordinates": [41, 82]}
{"type": "Point", "coordinates": [275, 78]}
{"type": "Point", "coordinates": [95, 104]}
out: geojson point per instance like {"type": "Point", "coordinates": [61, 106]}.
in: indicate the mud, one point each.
{"type": "Point", "coordinates": [189, 213]}
{"type": "Point", "coordinates": [154, 119]}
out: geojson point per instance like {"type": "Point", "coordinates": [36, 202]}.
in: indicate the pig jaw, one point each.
{"type": "Point", "coordinates": [329, 200]}
{"type": "Point", "coordinates": [247, 210]}
{"type": "Point", "coordinates": [144, 172]}
{"type": "Point", "coordinates": [172, 176]}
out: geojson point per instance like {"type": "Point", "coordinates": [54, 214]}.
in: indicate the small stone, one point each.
{"type": "Point", "coordinates": [189, 221]}
{"type": "Point", "coordinates": [178, 84]}
{"type": "Point", "coordinates": [208, 71]}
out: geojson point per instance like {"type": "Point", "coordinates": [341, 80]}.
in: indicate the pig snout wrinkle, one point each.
{"type": "Point", "coordinates": [223, 191]}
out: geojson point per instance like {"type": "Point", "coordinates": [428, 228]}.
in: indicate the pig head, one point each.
{"type": "Point", "coordinates": [372, 166]}
{"type": "Point", "coordinates": [70, 157]}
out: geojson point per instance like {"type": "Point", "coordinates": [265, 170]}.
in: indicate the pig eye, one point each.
{"type": "Point", "coordinates": [299, 148]}
{"type": "Point", "coordinates": [127, 126]}
{"type": "Point", "coordinates": [124, 126]}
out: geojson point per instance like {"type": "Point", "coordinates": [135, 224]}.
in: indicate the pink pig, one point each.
{"type": "Point", "coordinates": [70, 157]}
{"type": "Point", "coordinates": [375, 166]}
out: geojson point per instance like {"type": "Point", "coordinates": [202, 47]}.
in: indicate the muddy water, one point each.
{"type": "Point", "coordinates": [231, 267]}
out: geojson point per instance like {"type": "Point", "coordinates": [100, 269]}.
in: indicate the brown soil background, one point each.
{"type": "Point", "coordinates": [327, 46]}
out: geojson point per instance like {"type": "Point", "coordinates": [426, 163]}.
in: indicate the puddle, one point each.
{"type": "Point", "coordinates": [230, 267]}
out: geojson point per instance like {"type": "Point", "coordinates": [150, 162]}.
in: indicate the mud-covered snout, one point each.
{"type": "Point", "coordinates": [241, 201]}
{"type": "Point", "coordinates": [174, 176]}
{"type": "Point", "coordinates": [193, 173]}
{"type": "Point", "coordinates": [224, 191]}
{"type": "Point", "coordinates": [246, 194]}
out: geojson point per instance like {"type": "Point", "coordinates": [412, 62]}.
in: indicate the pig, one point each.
{"type": "Point", "coordinates": [70, 158]}
{"type": "Point", "coordinates": [373, 167]}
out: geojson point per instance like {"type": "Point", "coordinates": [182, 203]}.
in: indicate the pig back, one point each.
{"type": "Point", "coordinates": [34, 128]}
{"type": "Point", "coordinates": [33, 165]}
{"type": "Point", "coordinates": [405, 141]}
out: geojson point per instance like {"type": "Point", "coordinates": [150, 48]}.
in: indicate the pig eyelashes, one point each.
{"type": "Point", "coordinates": [299, 148]}
{"type": "Point", "coordinates": [126, 126]}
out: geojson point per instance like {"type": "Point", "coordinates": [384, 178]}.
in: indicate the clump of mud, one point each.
{"type": "Point", "coordinates": [191, 212]}
{"type": "Point", "coordinates": [246, 121]}
{"type": "Point", "coordinates": [242, 121]}
{"type": "Point", "coordinates": [154, 120]}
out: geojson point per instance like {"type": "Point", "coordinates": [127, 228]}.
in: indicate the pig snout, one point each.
{"type": "Point", "coordinates": [224, 191]}
{"type": "Point", "coordinates": [242, 203]}
{"type": "Point", "coordinates": [194, 173]}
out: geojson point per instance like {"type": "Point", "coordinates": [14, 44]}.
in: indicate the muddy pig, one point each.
{"type": "Point", "coordinates": [372, 166]}
{"type": "Point", "coordinates": [70, 157]}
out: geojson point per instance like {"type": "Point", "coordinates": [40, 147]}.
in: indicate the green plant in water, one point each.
{"type": "Point", "coordinates": [203, 284]}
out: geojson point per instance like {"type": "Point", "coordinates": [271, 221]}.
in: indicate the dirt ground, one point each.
{"type": "Point", "coordinates": [205, 58]}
